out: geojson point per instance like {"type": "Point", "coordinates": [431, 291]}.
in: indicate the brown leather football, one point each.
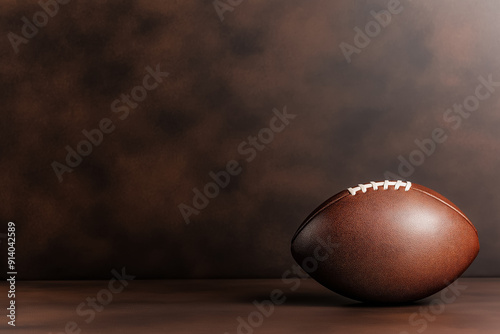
{"type": "Point", "coordinates": [386, 242]}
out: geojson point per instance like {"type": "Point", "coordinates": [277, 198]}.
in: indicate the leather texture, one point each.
{"type": "Point", "coordinates": [392, 246]}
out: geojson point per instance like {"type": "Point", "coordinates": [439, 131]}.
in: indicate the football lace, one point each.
{"type": "Point", "coordinates": [384, 184]}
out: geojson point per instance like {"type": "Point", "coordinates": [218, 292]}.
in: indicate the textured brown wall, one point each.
{"type": "Point", "coordinates": [119, 207]}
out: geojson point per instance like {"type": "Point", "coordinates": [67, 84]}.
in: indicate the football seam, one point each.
{"type": "Point", "coordinates": [317, 213]}
{"type": "Point", "coordinates": [448, 205]}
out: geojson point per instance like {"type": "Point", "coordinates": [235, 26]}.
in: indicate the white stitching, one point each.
{"type": "Point", "coordinates": [375, 185]}
{"type": "Point", "coordinates": [408, 185]}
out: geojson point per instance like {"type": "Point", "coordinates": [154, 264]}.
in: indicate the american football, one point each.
{"type": "Point", "coordinates": [396, 242]}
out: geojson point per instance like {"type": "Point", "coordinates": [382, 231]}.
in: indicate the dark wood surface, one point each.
{"type": "Point", "coordinates": [214, 306]}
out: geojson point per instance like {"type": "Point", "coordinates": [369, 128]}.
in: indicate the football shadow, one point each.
{"type": "Point", "coordinates": [307, 299]}
{"type": "Point", "coordinates": [385, 305]}
{"type": "Point", "coordinates": [333, 299]}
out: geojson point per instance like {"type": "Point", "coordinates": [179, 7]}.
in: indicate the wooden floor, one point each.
{"type": "Point", "coordinates": [227, 306]}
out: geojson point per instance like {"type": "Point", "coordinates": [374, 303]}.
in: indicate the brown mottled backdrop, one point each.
{"type": "Point", "coordinates": [119, 207]}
